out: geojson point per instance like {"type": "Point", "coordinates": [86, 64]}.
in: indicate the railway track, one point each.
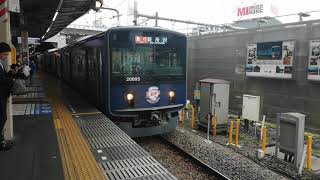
{"type": "Point", "coordinates": [179, 162]}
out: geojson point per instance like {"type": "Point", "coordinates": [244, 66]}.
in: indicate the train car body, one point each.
{"type": "Point", "coordinates": [135, 75]}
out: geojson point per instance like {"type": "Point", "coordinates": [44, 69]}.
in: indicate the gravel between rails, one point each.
{"type": "Point", "coordinates": [173, 159]}
{"type": "Point", "coordinates": [231, 164]}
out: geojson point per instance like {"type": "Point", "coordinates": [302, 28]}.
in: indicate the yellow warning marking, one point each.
{"type": "Point", "coordinates": [77, 160]}
{"type": "Point", "coordinates": [88, 113]}
{"type": "Point", "coordinates": [57, 123]}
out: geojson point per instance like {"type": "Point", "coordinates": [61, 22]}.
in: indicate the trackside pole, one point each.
{"type": "Point", "coordinates": [309, 156]}
{"type": "Point", "coordinates": [182, 118]}
{"type": "Point", "coordinates": [192, 118]}
{"type": "Point", "coordinates": [264, 140]}
{"type": "Point", "coordinates": [208, 130]}
{"type": "Point", "coordinates": [237, 132]}
{"type": "Point", "coordinates": [214, 131]}
{"type": "Point", "coordinates": [230, 133]}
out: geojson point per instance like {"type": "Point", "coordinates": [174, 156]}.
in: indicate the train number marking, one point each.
{"type": "Point", "coordinates": [132, 79]}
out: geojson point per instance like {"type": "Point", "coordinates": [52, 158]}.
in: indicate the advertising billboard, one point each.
{"type": "Point", "coordinates": [270, 59]}
{"type": "Point", "coordinates": [314, 60]}
{"type": "Point", "coordinates": [251, 9]}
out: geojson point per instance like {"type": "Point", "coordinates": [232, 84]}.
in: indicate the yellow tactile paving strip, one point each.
{"type": "Point", "coordinates": [77, 159]}
{"type": "Point", "coordinates": [90, 113]}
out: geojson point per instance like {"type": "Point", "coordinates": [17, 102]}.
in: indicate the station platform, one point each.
{"type": "Point", "coordinates": [36, 153]}
{"type": "Point", "coordinates": [58, 135]}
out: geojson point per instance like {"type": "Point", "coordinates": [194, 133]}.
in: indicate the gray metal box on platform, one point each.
{"type": "Point", "coordinates": [291, 135]}
{"type": "Point", "coordinates": [214, 95]}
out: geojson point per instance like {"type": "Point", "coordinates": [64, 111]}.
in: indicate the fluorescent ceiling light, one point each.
{"type": "Point", "coordinates": [262, 21]}
{"type": "Point", "coordinates": [236, 27]}
{"type": "Point", "coordinates": [98, 4]}
{"type": "Point", "coordinates": [55, 16]}
{"type": "Point", "coordinates": [53, 49]}
{"type": "Point", "coordinates": [48, 29]}
{"type": "Point", "coordinates": [304, 14]}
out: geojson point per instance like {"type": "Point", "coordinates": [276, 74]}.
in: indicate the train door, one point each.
{"type": "Point", "coordinates": [66, 66]}
{"type": "Point", "coordinates": [69, 67]}
{"type": "Point", "coordinates": [99, 92]}
{"type": "Point", "coordinates": [51, 63]}
{"type": "Point", "coordinates": [78, 69]}
{"type": "Point", "coordinates": [58, 65]}
{"type": "Point", "coordinates": [82, 68]}
{"type": "Point", "coordinates": [91, 73]}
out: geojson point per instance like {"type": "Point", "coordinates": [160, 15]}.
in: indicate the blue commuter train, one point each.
{"type": "Point", "coordinates": [135, 75]}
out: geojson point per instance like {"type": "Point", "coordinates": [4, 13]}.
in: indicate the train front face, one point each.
{"type": "Point", "coordinates": [147, 80]}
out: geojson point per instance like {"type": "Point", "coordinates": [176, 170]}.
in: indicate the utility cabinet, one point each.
{"type": "Point", "coordinates": [290, 133]}
{"type": "Point", "coordinates": [214, 97]}
{"type": "Point", "coordinates": [251, 107]}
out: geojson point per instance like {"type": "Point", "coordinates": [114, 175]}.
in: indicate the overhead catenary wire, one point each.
{"type": "Point", "coordinates": [115, 7]}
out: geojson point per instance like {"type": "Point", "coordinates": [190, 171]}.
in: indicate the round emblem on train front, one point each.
{"type": "Point", "coordinates": [153, 94]}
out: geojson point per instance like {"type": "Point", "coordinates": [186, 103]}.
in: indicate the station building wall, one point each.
{"type": "Point", "coordinates": [223, 56]}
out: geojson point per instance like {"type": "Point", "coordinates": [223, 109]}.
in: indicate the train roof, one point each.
{"type": "Point", "coordinates": [145, 27]}
{"type": "Point", "coordinates": [87, 38]}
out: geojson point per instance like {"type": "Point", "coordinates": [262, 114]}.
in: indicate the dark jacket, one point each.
{"type": "Point", "coordinates": [18, 75]}
{"type": "Point", "coordinates": [5, 84]}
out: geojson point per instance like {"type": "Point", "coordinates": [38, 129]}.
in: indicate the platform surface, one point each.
{"type": "Point", "coordinates": [36, 154]}
{"type": "Point", "coordinates": [58, 135]}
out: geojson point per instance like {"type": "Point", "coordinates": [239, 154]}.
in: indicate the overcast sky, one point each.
{"type": "Point", "coordinates": [205, 11]}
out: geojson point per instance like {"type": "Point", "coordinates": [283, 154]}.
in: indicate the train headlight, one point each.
{"type": "Point", "coordinates": [172, 97]}
{"type": "Point", "coordinates": [130, 96]}
{"type": "Point", "coordinates": [130, 99]}
{"type": "Point", "coordinates": [172, 94]}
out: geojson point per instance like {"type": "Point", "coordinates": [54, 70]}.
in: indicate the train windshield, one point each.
{"type": "Point", "coordinates": [142, 55]}
{"type": "Point", "coordinates": [146, 61]}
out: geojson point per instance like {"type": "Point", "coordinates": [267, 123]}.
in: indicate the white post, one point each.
{"type": "Point", "coordinates": [262, 125]}
{"type": "Point", "coordinates": [5, 36]}
{"type": "Point", "coordinates": [208, 130]}
{"type": "Point", "coordinates": [303, 159]}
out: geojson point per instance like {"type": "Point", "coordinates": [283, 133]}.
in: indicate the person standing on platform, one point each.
{"type": "Point", "coordinates": [32, 66]}
{"type": "Point", "coordinates": [5, 88]}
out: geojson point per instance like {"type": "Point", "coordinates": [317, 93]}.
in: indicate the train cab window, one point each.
{"type": "Point", "coordinates": [157, 56]}
{"type": "Point", "coordinates": [145, 61]}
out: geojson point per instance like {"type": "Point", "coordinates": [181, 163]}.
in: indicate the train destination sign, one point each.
{"type": "Point", "coordinates": [150, 40]}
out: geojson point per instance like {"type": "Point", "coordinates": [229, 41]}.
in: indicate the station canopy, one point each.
{"type": "Point", "coordinates": [36, 16]}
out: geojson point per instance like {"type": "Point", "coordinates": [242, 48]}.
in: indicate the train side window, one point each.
{"type": "Point", "coordinates": [74, 63]}
{"type": "Point", "coordinates": [66, 64]}
{"type": "Point", "coordinates": [80, 60]}
{"type": "Point", "coordinates": [92, 59]}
